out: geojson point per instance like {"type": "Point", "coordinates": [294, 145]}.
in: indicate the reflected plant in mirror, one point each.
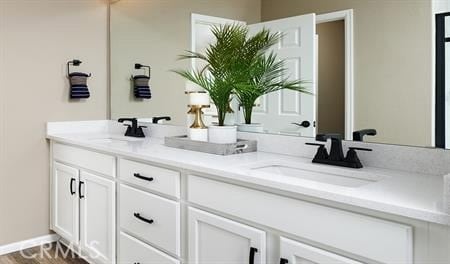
{"type": "Point", "coordinates": [239, 63]}
{"type": "Point", "coordinates": [262, 74]}
{"type": "Point", "coordinates": [217, 76]}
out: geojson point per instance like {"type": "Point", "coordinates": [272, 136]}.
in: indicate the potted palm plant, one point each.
{"type": "Point", "coordinates": [217, 76]}
{"type": "Point", "coordinates": [260, 73]}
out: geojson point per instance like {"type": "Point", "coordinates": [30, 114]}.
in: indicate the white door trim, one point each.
{"type": "Point", "coordinates": [25, 244]}
{"type": "Point", "coordinates": [347, 16]}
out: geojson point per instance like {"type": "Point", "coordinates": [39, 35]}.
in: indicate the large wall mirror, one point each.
{"type": "Point", "coordinates": [378, 65]}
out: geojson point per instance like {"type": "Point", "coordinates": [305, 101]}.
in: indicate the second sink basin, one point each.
{"type": "Point", "coordinates": [114, 140]}
{"type": "Point", "coordinates": [317, 173]}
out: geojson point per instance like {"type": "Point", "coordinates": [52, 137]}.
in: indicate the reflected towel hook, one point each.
{"type": "Point", "coordinates": [139, 66]}
{"type": "Point", "coordinates": [74, 62]}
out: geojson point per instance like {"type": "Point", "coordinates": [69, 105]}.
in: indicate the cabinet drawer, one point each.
{"type": "Point", "coordinates": [91, 160]}
{"type": "Point", "coordinates": [134, 251]}
{"type": "Point", "coordinates": [369, 237]}
{"type": "Point", "coordinates": [151, 218]}
{"type": "Point", "coordinates": [150, 177]}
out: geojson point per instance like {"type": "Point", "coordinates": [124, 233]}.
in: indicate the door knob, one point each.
{"type": "Point", "coordinates": [284, 261]}
{"type": "Point", "coordinates": [303, 124]}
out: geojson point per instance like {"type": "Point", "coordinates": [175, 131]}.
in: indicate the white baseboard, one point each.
{"type": "Point", "coordinates": [17, 246]}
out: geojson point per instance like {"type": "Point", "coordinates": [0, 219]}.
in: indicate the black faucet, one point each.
{"type": "Point", "coordinates": [336, 156]}
{"type": "Point", "coordinates": [156, 119]}
{"type": "Point", "coordinates": [133, 130]}
{"type": "Point", "coordinates": [359, 134]}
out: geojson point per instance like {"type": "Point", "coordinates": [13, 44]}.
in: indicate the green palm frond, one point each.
{"type": "Point", "coordinates": [240, 64]}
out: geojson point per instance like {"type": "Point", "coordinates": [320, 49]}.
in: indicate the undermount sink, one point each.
{"type": "Point", "coordinates": [114, 140]}
{"type": "Point", "coordinates": [317, 173]}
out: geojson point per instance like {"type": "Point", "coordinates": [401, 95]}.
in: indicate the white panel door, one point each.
{"type": "Point", "coordinates": [65, 202]}
{"type": "Point", "coordinates": [293, 252]}
{"type": "Point", "coordinates": [97, 217]}
{"type": "Point", "coordinates": [217, 240]}
{"type": "Point", "coordinates": [201, 37]}
{"type": "Point", "coordinates": [277, 111]}
{"type": "Point", "coordinates": [201, 34]}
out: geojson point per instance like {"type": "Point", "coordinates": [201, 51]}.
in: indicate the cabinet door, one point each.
{"type": "Point", "coordinates": [293, 252]}
{"type": "Point", "coordinates": [97, 217]}
{"type": "Point", "coordinates": [214, 239]}
{"type": "Point", "coordinates": [65, 202]}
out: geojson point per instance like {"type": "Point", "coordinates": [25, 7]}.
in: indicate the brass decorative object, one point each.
{"type": "Point", "coordinates": [196, 110]}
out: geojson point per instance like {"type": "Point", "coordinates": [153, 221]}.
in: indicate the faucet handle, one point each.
{"type": "Point", "coordinates": [352, 157]}
{"type": "Point", "coordinates": [314, 144]}
{"type": "Point", "coordinates": [322, 153]}
{"type": "Point", "coordinates": [363, 149]}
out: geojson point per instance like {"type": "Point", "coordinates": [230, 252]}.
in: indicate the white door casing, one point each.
{"type": "Point", "coordinates": [347, 16]}
{"type": "Point", "coordinates": [97, 217]}
{"type": "Point", "coordinates": [277, 111]}
{"type": "Point", "coordinates": [298, 253]}
{"type": "Point", "coordinates": [447, 83]}
{"type": "Point", "coordinates": [214, 239]}
{"type": "Point", "coordinates": [65, 202]}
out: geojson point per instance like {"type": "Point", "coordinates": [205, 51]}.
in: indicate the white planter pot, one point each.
{"type": "Point", "coordinates": [198, 134]}
{"type": "Point", "coordinates": [222, 134]}
{"type": "Point", "coordinates": [255, 127]}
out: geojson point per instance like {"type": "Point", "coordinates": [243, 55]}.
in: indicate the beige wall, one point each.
{"type": "Point", "coordinates": [392, 63]}
{"type": "Point", "coordinates": [155, 33]}
{"type": "Point", "coordinates": [331, 85]}
{"type": "Point", "coordinates": [37, 38]}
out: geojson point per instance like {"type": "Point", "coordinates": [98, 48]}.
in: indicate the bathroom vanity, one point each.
{"type": "Point", "coordinates": [126, 200]}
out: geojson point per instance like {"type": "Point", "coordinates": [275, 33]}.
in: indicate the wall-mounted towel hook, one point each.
{"type": "Point", "coordinates": [139, 66]}
{"type": "Point", "coordinates": [74, 62]}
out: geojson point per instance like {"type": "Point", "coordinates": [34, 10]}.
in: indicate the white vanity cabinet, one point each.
{"type": "Point", "coordinates": [174, 215]}
{"type": "Point", "coordinates": [97, 217]}
{"type": "Point", "coordinates": [214, 239]}
{"type": "Point", "coordinates": [149, 213]}
{"type": "Point", "coordinates": [294, 252]}
{"type": "Point", "coordinates": [83, 203]}
{"type": "Point", "coordinates": [65, 202]}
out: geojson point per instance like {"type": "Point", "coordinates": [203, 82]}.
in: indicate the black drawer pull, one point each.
{"type": "Point", "coordinates": [143, 219]}
{"type": "Point", "coordinates": [284, 261]}
{"type": "Point", "coordinates": [252, 255]}
{"type": "Point", "coordinates": [79, 190]}
{"type": "Point", "coordinates": [72, 181]}
{"type": "Point", "coordinates": [139, 176]}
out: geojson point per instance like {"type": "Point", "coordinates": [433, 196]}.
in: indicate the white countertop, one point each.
{"type": "Point", "coordinates": [417, 196]}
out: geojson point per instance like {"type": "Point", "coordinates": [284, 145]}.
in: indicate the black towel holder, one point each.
{"type": "Point", "coordinates": [74, 62]}
{"type": "Point", "coordinates": [139, 66]}
{"type": "Point", "coordinates": [78, 81]}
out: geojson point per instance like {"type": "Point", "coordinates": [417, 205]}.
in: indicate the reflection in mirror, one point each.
{"type": "Point", "coordinates": [370, 65]}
